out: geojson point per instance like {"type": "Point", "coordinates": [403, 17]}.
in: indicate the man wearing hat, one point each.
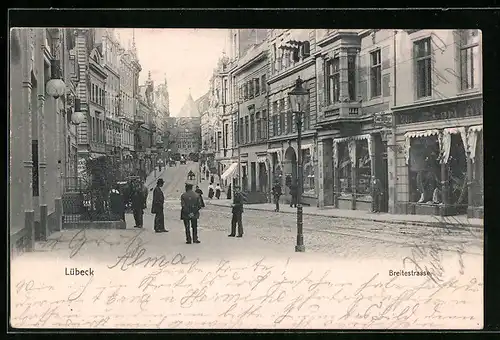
{"type": "Point", "coordinates": [237, 210]}
{"type": "Point", "coordinates": [157, 207]}
{"type": "Point", "coordinates": [190, 213]}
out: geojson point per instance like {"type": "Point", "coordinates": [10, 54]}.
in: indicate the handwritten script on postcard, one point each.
{"type": "Point", "coordinates": [176, 291]}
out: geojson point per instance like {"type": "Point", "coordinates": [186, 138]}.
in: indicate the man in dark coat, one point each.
{"type": "Point", "coordinates": [294, 192]}
{"type": "Point", "coordinates": [138, 201]}
{"type": "Point", "coordinates": [190, 213]}
{"type": "Point", "coordinates": [200, 192]}
{"type": "Point", "coordinates": [276, 195]}
{"type": "Point", "coordinates": [237, 210]}
{"type": "Point", "coordinates": [157, 207]}
{"type": "Point", "coordinates": [117, 203]}
{"type": "Point", "coordinates": [376, 194]}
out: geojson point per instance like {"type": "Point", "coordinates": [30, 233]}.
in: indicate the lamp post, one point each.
{"type": "Point", "coordinates": [299, 98]}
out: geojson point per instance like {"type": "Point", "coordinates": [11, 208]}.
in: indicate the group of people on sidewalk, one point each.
{"type": "Point", "coordinates": [191, 204]}
{"type": "Point", "coordinates": [376, 192]}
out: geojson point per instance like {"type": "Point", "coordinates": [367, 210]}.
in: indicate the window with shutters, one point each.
{"type": "Point", "coordinates": [469, 59]}
{"type": "Point", "coordinates": [333, 80]}
{"type": "Point", "coordinates": [245, 91]}
{"type": "Point", "coordinates": [235, 133]}
{"type": "Point", "coordinates": [251, 89]}
{"type": "Point", "coordinates": [422, 54]}
{"type": "Point", "coordinates": [375, 74]}
{"type": "Point", "coordinates": [259, 126]}
{"type": "Point", "coordinates": [351, 76]}
{"type": "Point", "coordinates": [257, 86]}
{"type": "Point", "coordinates": [275, 125]}
{"type": "Point", "coordinates": [289, 122]}
{"type": "Point", "coordinates": [252, 128]}
{"type": "Point", "coordinates": [247, 130]}
{"type": "Point", "coordinates": [264, 124]}
{"type": "Point", "coordinates": [282, 116]}
{"type": "Point", "coordinates": [241, 139]}
{"type": "Point", "coordinates": [263, 83]}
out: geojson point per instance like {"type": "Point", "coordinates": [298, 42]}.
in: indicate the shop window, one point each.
{"type": "Point", "coordinates": [363, 168]}
{"type": "Point", "coordinates": [457, 173]}
{"type": "Point", "coordinates": [478, 174]}
{"type": "Point", "coordinates": [425, 170]}
{"type": "Point", "coordinates": [308, 173]}
{"type": "Point", "coordinates": [344, 169]}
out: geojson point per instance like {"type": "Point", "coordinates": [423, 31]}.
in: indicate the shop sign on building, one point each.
{"type": "Point", "coordinates": [469, 108]}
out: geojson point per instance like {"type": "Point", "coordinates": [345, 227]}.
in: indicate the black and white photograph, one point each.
{"type": "Point", "coordinates": [246, 178]}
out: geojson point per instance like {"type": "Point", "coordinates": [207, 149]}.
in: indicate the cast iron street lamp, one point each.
{"type": "Point", "coordinates": [299, 98]}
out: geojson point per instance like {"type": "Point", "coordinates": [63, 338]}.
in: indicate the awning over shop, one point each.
{"type": "Point", "coordinates": [418, 134]}
{"type": "Point", "coordinates": [472, 137]}
{"type": "Point", "coordinates": [351, 146]}
{"type": "Point", "coordinates": [229, 171]}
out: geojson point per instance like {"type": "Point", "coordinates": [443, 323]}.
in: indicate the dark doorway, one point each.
{"type": "Point", "coordinates": [262, 178]}
{"type": "Point", "coordinates": [382, 170]}
{"type": "Point", "coordinates": [253, 177]}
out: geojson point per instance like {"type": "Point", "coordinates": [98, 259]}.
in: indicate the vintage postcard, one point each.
{"type": "Point", "coordinates": [246, 178]}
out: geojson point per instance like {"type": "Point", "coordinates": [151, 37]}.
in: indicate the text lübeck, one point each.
{"type": "Point", "coordinates": [408, 273]}
{"type": "Point", "coordinates": [76, 272]}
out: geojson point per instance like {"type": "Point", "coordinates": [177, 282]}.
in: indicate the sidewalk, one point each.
{"type": "Point", "coordinates": [426, 220]}
{"type": "Point", "coordinates": [151, 179]}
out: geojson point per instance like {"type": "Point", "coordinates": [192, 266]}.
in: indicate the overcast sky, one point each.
{"type": "Point", "coordinates": [186, 57]}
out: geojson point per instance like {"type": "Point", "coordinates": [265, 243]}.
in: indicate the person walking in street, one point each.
{"type": "Point", "coordinates": [210, 191]}
{"type": "Point", "coordinates": [376, 194]}
{"type": "Point", "coordinates": [138, 202]}
{"type": "Point", "coordinates": [200, 192]}
{"type": "Point", "coordinates": [157, 207]}
{"type": "Point", "coordinates": [190, 213]}
{"type": "Point", "coordinates": [212, 179]}
{"type": "Point", "coordinates": [237, 211]}
{"type": "Point", "coordinates": [207, 174]}
{"type": "Point", "coordinates": [294, 191]}
{"type": "Point", "coordinates": [191, 175]}
{"type": "Point", "coordinates": [228, 195]}
{"type": "Point", "coordinates": [217, 191]}
{"type": "Point", "coordinates": [276, 191]}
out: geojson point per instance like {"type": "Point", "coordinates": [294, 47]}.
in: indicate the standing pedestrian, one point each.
{"type": "Point", "coordinates": [157, 207]}
{"type": "Point", "coordinates": [200, 192]}
{"type": "Point", "coordinates": [276, 195]}
{"type": "Point", "coordinates": [237, 211]}
{"type": "Point", "coordinates": [294, 190]}
{"type": "Point", "coordinates": [212, 179]}
{"type": "Point", "coordinates": [190, 213]}
{"type": "Point", "coordinates": [210, 191]}
{"type": "Point", "coordinates": [228, 195]}
{"type": "Point", "coordinates": [217, 191]}
{"type": "Point", "coordinates": [376, 194]}
{"type": "Point", "coordinates": [138, 202]}
{"type": "Point", "coordinates": [207, 174]}
{"type": "Point", "coordinates": [117, 203]}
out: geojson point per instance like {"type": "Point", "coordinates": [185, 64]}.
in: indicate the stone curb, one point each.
{"type": "Point", "coordinates": [436, 224]}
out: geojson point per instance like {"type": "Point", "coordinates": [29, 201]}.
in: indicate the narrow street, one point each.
{"type": "Point", "coordinates": [148, 280]}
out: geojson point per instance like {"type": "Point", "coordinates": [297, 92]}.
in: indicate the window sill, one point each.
{"type": "Point", "coordinates": [467, 92]}
{"type": "Point", "coordinates": [423, 99]}
{"type": "Point", "coordinates": [375, 100]}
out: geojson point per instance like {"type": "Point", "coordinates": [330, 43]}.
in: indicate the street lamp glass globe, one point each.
{"type": "Point", "coordinates": [299, 97]}
{"type": "Point", "coordinates": [77, 118]}
{"type": "Point", "coordinates": [55, 88]}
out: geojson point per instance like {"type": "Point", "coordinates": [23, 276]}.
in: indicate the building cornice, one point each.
{"type": "Point", "coordinates": [311, 61]}
{"type": "Point", "coordinates": [417, 105]}
{"type": "Point", "coordinates": [261, 56]}
{"type": "Point", "coordinates": [99, 69]}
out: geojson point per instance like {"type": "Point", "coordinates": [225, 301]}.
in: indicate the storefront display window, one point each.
{"type": "Point", "coordinates": [308, 173]}
{"type": "Point", "coordinates": [344, 169]}
{"type": "Point", "coordinates": [478, 173]}
{"type": "Point", "coordinates": [457, 172]}
{"type": "Point", "coordinates": [425, 170]}
{"type": "Point", "coordinates": [363, 169]}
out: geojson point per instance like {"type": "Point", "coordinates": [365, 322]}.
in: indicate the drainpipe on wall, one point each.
{"type": "Point", "coordinates": [393, 145]}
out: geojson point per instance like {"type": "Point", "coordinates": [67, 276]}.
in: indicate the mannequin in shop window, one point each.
{"type": "Point", "coordinates": [424, 163]}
